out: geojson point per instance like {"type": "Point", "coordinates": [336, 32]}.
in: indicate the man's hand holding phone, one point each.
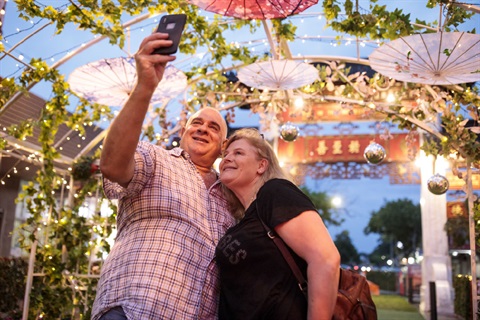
{"type": "Point", "coordinates": [173, 25]}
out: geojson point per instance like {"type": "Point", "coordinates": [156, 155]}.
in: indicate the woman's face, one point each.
{"type": "Point", "coordinates": [240, 166]}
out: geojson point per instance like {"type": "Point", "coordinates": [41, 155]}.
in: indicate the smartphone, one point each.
{"type": "Point", "coordinates": [173, 24]}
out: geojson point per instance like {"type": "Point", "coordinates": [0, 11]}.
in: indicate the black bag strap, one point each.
{"type": "Point", "coordinates": [302, 282]}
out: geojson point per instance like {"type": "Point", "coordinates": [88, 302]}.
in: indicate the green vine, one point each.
{"type": "Point", "coordinates": [66, 240]}
{"type": "Point", "coordinates": [377, 23]}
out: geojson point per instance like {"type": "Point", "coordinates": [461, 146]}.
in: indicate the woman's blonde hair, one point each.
{"type": "Point", "coordinates": [264, 151]}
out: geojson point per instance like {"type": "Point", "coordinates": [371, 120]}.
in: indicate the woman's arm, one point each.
{"type": "Point", "coordinates": [307, 235]}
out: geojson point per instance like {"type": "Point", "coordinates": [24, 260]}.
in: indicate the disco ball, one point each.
{"type": "Point", "coordinates": [374, 153]}
{"type": "Point", "coordinates": [438, 184]}
{"type": "Point", "coordinates": [289, 132]}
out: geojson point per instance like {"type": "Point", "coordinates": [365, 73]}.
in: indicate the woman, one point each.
{"type": "Point", "coordinates": [256, 282]}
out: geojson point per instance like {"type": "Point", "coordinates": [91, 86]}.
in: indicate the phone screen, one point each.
{"type": "Point", "coordinates": [172, 24]}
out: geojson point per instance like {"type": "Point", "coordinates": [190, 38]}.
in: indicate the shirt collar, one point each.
{"type": "Point", "coordinates": [179, 152]}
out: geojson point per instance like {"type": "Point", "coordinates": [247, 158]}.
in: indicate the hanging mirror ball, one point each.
{"type": "Point", "coordinates": [374, 153]}
{"type": "Point", "coordinates": [438, 184]}
{"type": "Point", "coordinates": [289, 132]}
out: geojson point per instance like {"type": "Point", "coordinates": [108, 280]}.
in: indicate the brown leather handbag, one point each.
{"type": "Point", "coordinates": [354, 301]}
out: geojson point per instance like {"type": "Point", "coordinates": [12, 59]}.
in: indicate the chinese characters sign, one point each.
{"type": "Point", "coordinates": [348, 148]}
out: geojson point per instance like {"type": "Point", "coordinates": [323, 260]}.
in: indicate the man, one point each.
{"type": "Point", "coordinates": [171, 211]}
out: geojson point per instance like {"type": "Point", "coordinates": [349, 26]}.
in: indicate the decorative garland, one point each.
{"type": "Point", "coordinates": [64, 238]}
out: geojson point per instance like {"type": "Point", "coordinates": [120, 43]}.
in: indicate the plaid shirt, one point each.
{"type": "Point", "coordinates": [161, 265]}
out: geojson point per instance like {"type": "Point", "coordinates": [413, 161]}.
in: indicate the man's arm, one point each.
{"type": "Point", "coordinates": [117, 159]}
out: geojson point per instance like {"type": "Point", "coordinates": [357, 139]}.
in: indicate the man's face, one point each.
{"type": "Point", "coordinates": [203, 136]}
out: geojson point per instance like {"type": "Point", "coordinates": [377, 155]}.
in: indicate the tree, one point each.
{"type": "Point", "coordinates": [207, 82]}
{"type": "Point", "coordinates": [323, 203]}
{"type": "Point", "coordinates": [348, 253]}
{"type": "Point", "coordinates": [382, 252]}
{"type": "Point", "coordinates": [399, 225]}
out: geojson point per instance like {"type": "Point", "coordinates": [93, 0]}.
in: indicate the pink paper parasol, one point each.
{"type": "Point", "coordinates": [259, 9]}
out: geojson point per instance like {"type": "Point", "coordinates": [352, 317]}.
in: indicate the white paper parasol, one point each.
{"type": "Point", "coordinates": [441, 58]}
{"type": "Point", "coordinates": [278, 74]}
{"type": "Point", "coordinates": [110, 82]}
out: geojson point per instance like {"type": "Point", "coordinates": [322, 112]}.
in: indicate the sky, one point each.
{"type": "Point", "coordinates": [360, 197]}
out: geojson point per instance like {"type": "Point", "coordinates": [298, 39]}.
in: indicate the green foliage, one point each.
{"type": "Point", "coordinates": [12, 287]}
{"type": "Point", "coordinates": [398, 220]}
{"type": "Point", "coordinates": [64, 244]}
{"type": "Point", "coordinates": [387, 281]}
{"type": "Point", "coordinates": [453, 15]}
{"type": "Point", "coordinates": [382, 252]}
{"type": "Point", "coordinates": [462, 304]}
{"type": "Point", "coordinates": [84, 168]}
{"type": "Point", "coordinates": [431, 145]}
{"type": "Point", "coordinates": [50, 298]}
{"type": "Point", "coordinates": [348, 253]}
{"type": "Point", "coordinates": [378, 23]}
{"type": "Point", "coordinates": [285, 31]}
{"type": "Point", "coordinates": [63, 236]}
{"type": "Point", "coordinates": [7, 89]}
{"type": "Point", "coordinates": [476, 218]}
{"type": "Point", "coordinates": [324, 206]}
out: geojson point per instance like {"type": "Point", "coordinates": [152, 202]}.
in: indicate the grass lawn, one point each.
{"type": "Point", "coordinates": [398, 315]}
{"type": "Point", "coordinates": [394, 307]}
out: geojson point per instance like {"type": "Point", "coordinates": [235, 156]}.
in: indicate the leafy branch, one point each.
{"type": "Point", "coordinates": [64, 236]}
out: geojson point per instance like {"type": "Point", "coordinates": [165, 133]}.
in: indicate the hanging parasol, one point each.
{"type": "Point", "coordinates": [110, 82]}
{"type": "Point", "coordinates": [250, 9]}
{"type": "Point", "coordinates": [278, 74]}
{"type": "Point", "coordinates": [442, 58]}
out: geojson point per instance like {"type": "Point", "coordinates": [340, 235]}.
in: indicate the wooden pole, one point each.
{"type": "Point", "coordinates": [28, 288]}
{"type": "Point", "coordinates": [473, 256]}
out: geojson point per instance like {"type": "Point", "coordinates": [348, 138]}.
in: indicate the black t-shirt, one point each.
{"type": "Point", "coordinates": [255, 280]}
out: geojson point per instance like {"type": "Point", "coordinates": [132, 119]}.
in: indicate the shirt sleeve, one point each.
{"type": "Point", "coordinates": [280, 200]}
{"type": "Point", "coordinates": [144, 168]}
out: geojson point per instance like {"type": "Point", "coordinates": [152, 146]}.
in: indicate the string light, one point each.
{"type": "Point", "coordinates": [70, 50]}
{"type": "Point", "coordinates": [17, 151]}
